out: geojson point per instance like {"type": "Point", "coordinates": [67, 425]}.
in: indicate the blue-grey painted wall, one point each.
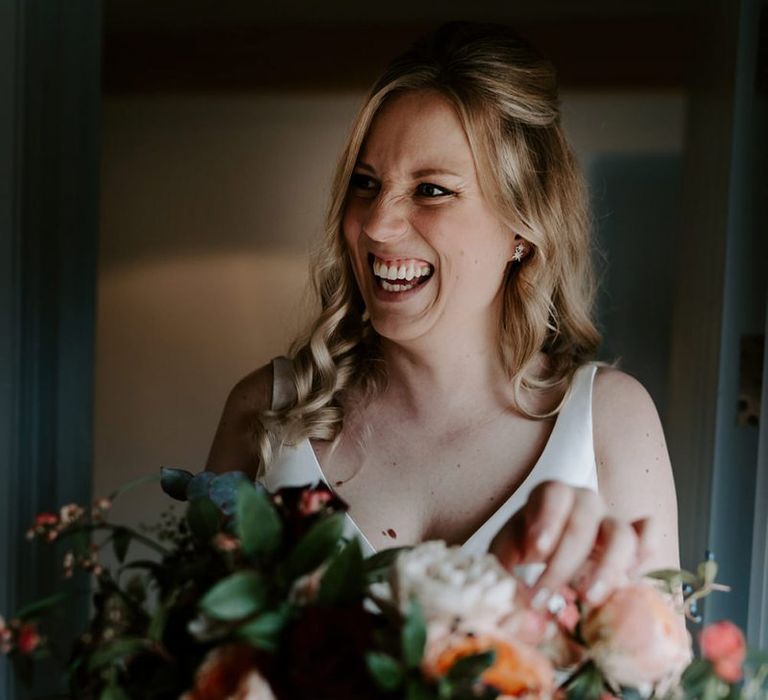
{"type": "Point", "coordinates": [49, 180]}
{"type": "Point", "coordinates": [636, 210]}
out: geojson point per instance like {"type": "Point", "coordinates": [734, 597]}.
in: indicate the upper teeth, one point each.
{"type": "Point", "coordinates": [400, 270]}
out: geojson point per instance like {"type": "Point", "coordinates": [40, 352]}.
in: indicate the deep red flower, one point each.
{"type": "Point", "coordinates": [28, 639]}
{"type": "Point", "coordinates": [325, 655]}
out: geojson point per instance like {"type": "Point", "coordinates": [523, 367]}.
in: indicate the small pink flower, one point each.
{"type": "Point", "coordinates": [637, 638]}
{"type": "Point", "coordinates": [46, 519]}
{"type": "Point", "coordinates": [312, 502]}
{"type": "Point", "coordinates": [68, 564]}
{"type": "Point", "coordinates": [226, 543]}
{"type": "Point", "coordinates": [723, 644]}
{"type": "Point", "coordinates": [28, 639]}
{"type": "Point", "coordinates": [102, 504]}
{"type": "Point", "coordinates": [70, 512]}
{"type": "Point", "coordinates": [6, 637]}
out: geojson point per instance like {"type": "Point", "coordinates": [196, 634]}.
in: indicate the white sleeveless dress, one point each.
{"type": "Point", "coordinates": [568, 456]}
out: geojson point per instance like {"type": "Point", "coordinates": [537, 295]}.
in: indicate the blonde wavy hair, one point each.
{"type": "Point", "coordinates": [505, 95]}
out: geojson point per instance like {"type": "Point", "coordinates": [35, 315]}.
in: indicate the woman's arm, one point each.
{"type": "Point", "coordinates": [595, 539]}
{"type": "Point", "coordinates": [232, 445]}
{"type": "Point", "coordinates": [633, 468]}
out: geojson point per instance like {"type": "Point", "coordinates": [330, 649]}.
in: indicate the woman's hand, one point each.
{"type": "Point", "coordinates": [570, 530]}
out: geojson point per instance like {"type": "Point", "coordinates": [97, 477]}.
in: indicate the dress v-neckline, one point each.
{"type": "Point", "coordinates": [479, 531]}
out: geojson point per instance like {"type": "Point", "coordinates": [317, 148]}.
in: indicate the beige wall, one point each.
{"type": "Point", "coordinates": [208, 208]}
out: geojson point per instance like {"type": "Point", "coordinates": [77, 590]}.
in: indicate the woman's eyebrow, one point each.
{"type": "Point", "coordinates": [422, 172]}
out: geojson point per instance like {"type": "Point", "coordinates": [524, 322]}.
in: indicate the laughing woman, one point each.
{"type": "Point", "coordinates": [446, 388]}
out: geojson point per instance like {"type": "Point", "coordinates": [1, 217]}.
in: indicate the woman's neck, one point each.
{"type": "Point", "coordinates": [451, 377]}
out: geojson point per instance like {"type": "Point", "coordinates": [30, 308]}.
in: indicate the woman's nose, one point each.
{"type": "Point", "coordinates": [386, 220]}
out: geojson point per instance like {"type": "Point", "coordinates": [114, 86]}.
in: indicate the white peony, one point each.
{"type": "Point", "coordinates": [454, 587]}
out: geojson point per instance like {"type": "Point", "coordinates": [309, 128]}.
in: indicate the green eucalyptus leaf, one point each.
{"type": "Point", "coordinates": [121, 540]}
{"type": "Point", "coordinates": [319, 543]}
{"type": "Point", "coordinates": [386, 670]}
{"type": "Point", "coordinates": [114, 692]}
{"type": "Point", "coordinates": [174, 482]}
{"type": "Point", "coordinates": [258, 525]}
{"type": "Point", "coordinates": [343, 580]}
{"type": "Point", "coordinates": [670, 575]}
{"type": "Point", "coordinates": [695, 676]}
{"type": "Point", "coordinates": [377, 567]}
{"type": "Point", "coordinates": [264, 630]}
{"type": "Point", "coordinates": [204, 518]}
{"type": "Point", "coordinates": [471, 667]}
{"type": "Point", "coordinates": [116, 651]}
{"type": "Point", "coordinates": [199, 484]}
{"type": "Point", "coordinates": [136, 588]}
{"type": "Point", "coordinates": [417, 689]}
{"type": "Point", "coordinates": [34, 610]}
{"type": "Point", "coordinates": [586, 684]}
{"type": "Point", "coordinates": [140, 481]}
{"type": "Point", "coordinates": [157, 624]}
{"type": "Point", "coordinates": [413, 634]}
{"type": "Point", "coordinates": [236, 597]}
{"type": "Point", "coordinates": [223, 490]}
{"type": "Point", "coordinates": [80, 541]}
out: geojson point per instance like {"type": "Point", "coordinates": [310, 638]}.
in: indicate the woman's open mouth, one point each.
{"type": "Point", "coordinates": [395, 278]}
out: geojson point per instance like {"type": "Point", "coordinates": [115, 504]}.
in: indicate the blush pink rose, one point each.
{"type": "Point", "coordinates": [637, 638]}
{"type": "Point", "coordinates": [722, 643]}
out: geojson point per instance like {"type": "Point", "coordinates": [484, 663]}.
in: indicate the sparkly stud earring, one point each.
{"type": "Point", "coordinates": [519, 250]}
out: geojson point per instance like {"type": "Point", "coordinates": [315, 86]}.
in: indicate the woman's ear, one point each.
{"type": "Point", "coordinates": [521, 249]}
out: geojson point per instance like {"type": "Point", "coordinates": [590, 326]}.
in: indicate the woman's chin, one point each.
{"type": "Point", "coordinates": [399, 330]}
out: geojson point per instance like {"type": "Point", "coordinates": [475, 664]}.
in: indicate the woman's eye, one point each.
{"type": "Point", "coordinates": [432, 191]}
{"type": "Point", "coordinates": [360, 182]}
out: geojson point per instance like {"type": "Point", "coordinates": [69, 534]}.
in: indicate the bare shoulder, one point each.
{"type": "Point", "coordinates": [232, 447]}
{"type": "Point", "coordinates": [634, 472]}
{"type": "Point", "coordinates": [625, 421]}
{"type": "Point", "coordinates": [617, 397]}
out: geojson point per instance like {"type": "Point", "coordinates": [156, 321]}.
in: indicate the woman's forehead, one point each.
{"type": "Point", "coordinates": [420, 134]}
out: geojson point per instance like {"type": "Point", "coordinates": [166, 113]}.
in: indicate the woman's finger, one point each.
{"type": "Point", "coordinates": [575, 544]}
{"type": "Point", "coordinates": [546, 514]}
{"type": "Point", "coordinates": [531, 533]}
{"type": "Point", "coordinates": [618, 554]}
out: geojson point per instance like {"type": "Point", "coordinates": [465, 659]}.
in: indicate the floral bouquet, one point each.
{"type": "Point", "coordinates": [258, 596]}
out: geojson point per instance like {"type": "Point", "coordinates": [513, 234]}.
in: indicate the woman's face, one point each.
{"type": "Point", "coordinates": [428, 252]}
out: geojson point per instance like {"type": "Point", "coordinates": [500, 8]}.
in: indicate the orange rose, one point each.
{"type": "Point", "coordinates": [636, 638]}
{"type": "Point", "coordinates": [518, 670]}
{"type": "Point", "coordinates": [722, 643]}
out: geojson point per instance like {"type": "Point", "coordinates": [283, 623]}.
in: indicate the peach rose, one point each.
{"type": "Point", "coordinates": [229, 673]}
{"type": "Point", "coordinates": [636, 638]}
{"type": "Point", "coordinates": [722, 643]}
{"type": "Point", "coordinates": [518, 670]}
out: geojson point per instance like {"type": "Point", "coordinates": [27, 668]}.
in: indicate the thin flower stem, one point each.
{"type": "Point", "coordinates": [132, 484]}
{"type": "Point", "coordinates": [135, 535]}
